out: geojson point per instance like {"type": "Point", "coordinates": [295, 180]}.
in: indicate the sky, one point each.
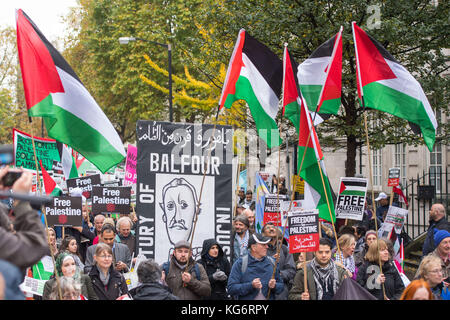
{"type": "Point", "coordinates": [46, 14]}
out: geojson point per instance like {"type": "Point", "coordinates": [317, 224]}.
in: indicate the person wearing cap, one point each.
{"type": "Point", "coordinates": [438, 221]}
{"type": "Point", "coordinates": [186, 278]}
{"type": "Point", "coordinates": [251, 275]}
{"type": "Point", "coordinates": [240, 236]}
{"type": "Point", "coordinates": [383, 208]}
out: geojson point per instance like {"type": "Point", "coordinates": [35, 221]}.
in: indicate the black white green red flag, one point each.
{"type": "Point", "coordinates": [54, 92]}
{"type": "Point", "coordinates": [255, 74]}
{"type": "Point", "coordinates": [320, 78]}
{"type": "Point", "coordinates": [385, 85]}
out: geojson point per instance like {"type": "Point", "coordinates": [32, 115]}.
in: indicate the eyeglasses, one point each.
{"type": "Point", "coordinates": [106, 257]}
{"type": "Point", "coordinates": [436, 271]}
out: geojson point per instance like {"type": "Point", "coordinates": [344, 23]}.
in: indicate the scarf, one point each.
{"type": "Point", "coordinates": [104, 279]}
{"type": "Point", "coordinates": [243, 243]}
{"type": "Point", "coordinates": [349, 262]}
{"type": "Point", "coordinates": [323, 276]}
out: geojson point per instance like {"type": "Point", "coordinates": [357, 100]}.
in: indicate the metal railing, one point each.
{"type": "Point", "coordinates": [422, 193]}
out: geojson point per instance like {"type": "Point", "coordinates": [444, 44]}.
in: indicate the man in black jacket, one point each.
{"type": "Point", "coordinates": [149, 275]}
{"type": "Point", "coordinates": [438, 221]}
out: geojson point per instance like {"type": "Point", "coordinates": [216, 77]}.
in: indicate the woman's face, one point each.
{"type": "Point", "coordinates": [421, 294]}
{"type": "Point", "coordinates": [384, 255]}
{"type": "Point", "coordinates": [51, 237]}
{"type": "Point", "coordinates": [371, 238]}
{"type": "Point", "coordinates": [433, 275]}
{"type": "Point", "coordinates": [348, 251]}
{"type": "Point", "coordinates": [104, 259]}
{"type": "Point", "coordinates": [68, 267]}
{"type": "Point", "coordinates": [71, 295]}
{"type": "Point", "coordinates": [73, 246]}
{"type": "Point", "coordinates": [214, 251]}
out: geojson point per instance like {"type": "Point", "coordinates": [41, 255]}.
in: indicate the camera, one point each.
{"type": "Point", "coordinates": [11, 177]}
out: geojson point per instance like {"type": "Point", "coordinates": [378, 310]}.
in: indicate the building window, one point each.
{"type": "Point", "coordinates": [436, 167]}
{"type": "Point", "coordinates": [377, 167]}
{"type": "Point", "coordinates": [400, 162]}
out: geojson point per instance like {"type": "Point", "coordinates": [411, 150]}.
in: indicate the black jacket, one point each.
{"type": "Point", "coordinates": [393, 285]}
{"type": "Point", "coordinates": [116, 287]}
{"type": "Point", "coordinates": [428, 245]}
{"type": "Point", "coordinates": [152, 291]}
{"type": "Point", "coordinates": [211, 265]}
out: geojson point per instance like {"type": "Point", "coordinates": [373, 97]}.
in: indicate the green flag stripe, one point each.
{"type": "Point", "coordinates": [353, 193]}
{"type": "Point", "coordinates": [311, 94]}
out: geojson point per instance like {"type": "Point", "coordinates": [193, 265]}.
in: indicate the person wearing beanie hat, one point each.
{"type": "Point", "coordinates": [370, 236]}
{"type": "Point", "coordinates": [251, 275]}
{"type": "Point", "coordinates": [438, 221]}
{"type": "Point", "coordinates": [239, 237]}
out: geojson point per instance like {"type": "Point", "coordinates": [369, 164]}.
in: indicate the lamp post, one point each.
{"type": "Point", "coordinates": [125, 40]}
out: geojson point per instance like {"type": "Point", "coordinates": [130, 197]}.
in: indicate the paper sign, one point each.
{"type": "Point", "coordinates": [34, 286]}
{"type": "Point", "coordinates": [303, 230]}
{"type": "Point", "coordinates": [130, 167]}
{"type": "Point", "coordinates": [108, 200]}
{"type": "Point", "coordinates": [65, 211]}
{"type": "Point", "coordinates": [394, 177]}
{"type": "Point", "coordinates": [396, 216]}
{"type": "Point", "coordinates": [351, 199]}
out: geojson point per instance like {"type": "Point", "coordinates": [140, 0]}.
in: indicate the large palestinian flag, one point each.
{"type": "Point", "coordinates": [320, 77]}
{"type": "Point", "coordinates": [53, 91]}
{"type": "Point", "coordinates": [255, 74]}
{"type": "Point", "coordinates": [385, 85]}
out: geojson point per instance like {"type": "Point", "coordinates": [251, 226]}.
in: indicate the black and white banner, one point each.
{"type": "Point", "coordinates": [170, 165]}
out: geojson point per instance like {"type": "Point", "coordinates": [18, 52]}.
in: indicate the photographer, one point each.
{"type": "Point", "coordinates": [23, 239]}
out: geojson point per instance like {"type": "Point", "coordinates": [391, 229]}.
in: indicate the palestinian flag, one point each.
{"type": "Point", "coordinates": [291, 102]}
{"type": "Point", "coordinates": [385, 85]}
{"type": "Point", "coordinates": [53, 91]}
{"type": "Point", "coordinates": [67, 161]}
{"type": "Point", "coordinates": [315, 192]}
{"type": "Point", "coordinates": [353, 186]}
{"type": "Point", "coordinates": [255, 74]}
{"type": "Point", "coordinates": [51, 188]}
{"type": "Point", "coordinates": [320, 78]}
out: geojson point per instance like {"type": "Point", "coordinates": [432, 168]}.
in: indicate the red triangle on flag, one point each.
{"type": "Point", "coordinates": [49, 183]}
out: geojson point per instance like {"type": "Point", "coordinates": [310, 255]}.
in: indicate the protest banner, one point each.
{"type": "Point", "coordinates": [394, 177]}
{"type": "Point", "coordinates": [85, 183]}
{"type": "Point", "coordinates": [299, 184]}
{"type": "Point", "coordinates": [111, 200]}
{"type": "Point", "coordinates": [396, 217]}
{"type": "Point", "coordinates": [351, 198]}
{"type": "Point", "coordinates": [64, 211]}
{"type": "Point", "coordinates": [303, 230]}
{"type": "Point", "coordinates": [267, 178]}
{"type": "Point", "coordinates": [32, 285]}
{"type": "Point", "coordinates": [170, 166]}
{"type": "Point", "coordinates": [272, 209]}
{"type": "Point", "coordinates": [46, 151]}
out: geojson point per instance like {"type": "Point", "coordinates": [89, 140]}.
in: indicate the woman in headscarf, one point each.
{"type": "Point", "coordinates": [66, 267]}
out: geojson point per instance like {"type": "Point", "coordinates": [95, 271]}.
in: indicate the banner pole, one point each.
{"type": "Point", "coordinates": [201, 188]}
{"type": "Point", "coordinates": [38, 180]}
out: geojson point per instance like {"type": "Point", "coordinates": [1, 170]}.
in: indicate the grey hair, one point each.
{"type": "Point", "coordinates": [122, 219]}
{"type": "Point", "coordinates": [66, 284]}
{"type": "Point", "coordinates": [149, 271]}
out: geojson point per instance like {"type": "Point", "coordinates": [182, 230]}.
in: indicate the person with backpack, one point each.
{"type": "Point", "coordinates": [185, 277]}
{"type": "Point", "coordinates": [251, 275]}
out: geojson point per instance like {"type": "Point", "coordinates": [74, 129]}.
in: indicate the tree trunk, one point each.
{"type": "Point", "coordinates": [350, 164]}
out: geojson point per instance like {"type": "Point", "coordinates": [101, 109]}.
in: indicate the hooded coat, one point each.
{"type": "Point", "coordinates": [152, 291]}
{"type": "Point", "coordinates": [211, 265]}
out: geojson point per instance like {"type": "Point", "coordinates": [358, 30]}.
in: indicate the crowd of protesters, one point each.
{"type": "Point", "coordinates": [89, 262]}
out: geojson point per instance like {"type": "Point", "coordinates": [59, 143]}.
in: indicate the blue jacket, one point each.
{"type": "Point", "coordinates": [240, 285]}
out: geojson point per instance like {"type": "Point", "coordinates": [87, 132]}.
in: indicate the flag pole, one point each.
{"type": "Point", "coordinates": [201, 188]}
{"type": "Point", "coordinates": [237, 186]}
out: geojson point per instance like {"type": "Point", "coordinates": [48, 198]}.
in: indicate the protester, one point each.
{"type": "Point", "coordinates": [108, 283]}
{"type": "Point", "coordinates": [125, 234]}
{"type": "Point", "coordinates": [285, 259]}
{"type": "Point", "coordinates": [347, 243]}
{"type": "Point", "coordinates": [251, 219]}
{"type": "Point", "coordinates": [383, 206]}
{"type": "Point", "coordinates": [417, 290]}
{"type": "Point", "coordinates": [70, 290]}
{"type": "Point", "coordinates": [69, 244]}
{"type": "Point", "coordinates": [185, 277]}
{"type": "Point", "coordinates": [26, 243]}
{"type": "Point", "coordinates": [51, 238]}
{"type": "Point", "coordinates": [438, 221]}
{"type": "Point", "coordinates": [248, 202]}
{"type": "Point", "coordinates": [149, 276]}
{"type": "Point", "coordinates": [382, 285]}
{"type": "Point", "coordinates": [109, 221]}
{"type": "Point", "coordinates": [369, 237]}
{"type": "Point", "coordinates": [360, 239]}
{"type": "Point", "coordinates": [323, 276]}
{"type": "Point", "coordinates": [430, 270]}
{"type": "Point", "coordinates": [217, 268]}
{"type": "Point", "coordinates": [241, 195]}
{"type": "Point", "coordinates": [239, 237]}
{"type": "Point", "coordinates": [66, 267]}
{"type": "Point", "coordinates": [251, 275]}
{"type": "Point", "coordinates": [442, 251]}
{"type": "Point", "coordinates": [122, 256]}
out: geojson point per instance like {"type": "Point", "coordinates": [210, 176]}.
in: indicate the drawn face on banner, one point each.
{"type": "Point", "coordinates": [179, 205]}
